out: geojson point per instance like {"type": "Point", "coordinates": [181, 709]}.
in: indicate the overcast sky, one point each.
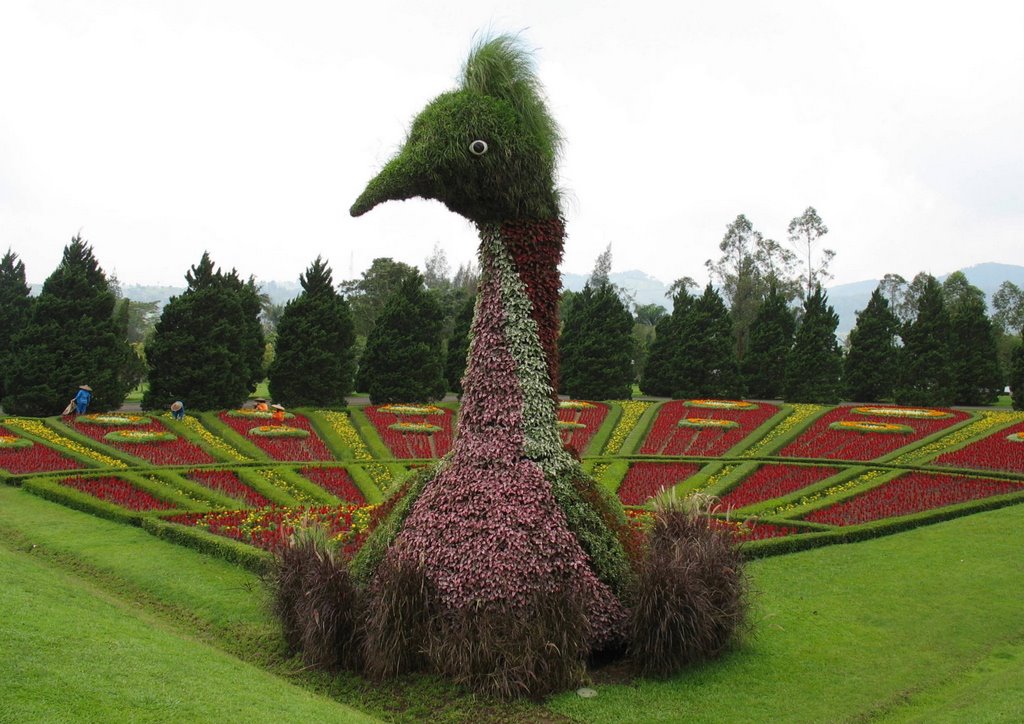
{"type": "Point", "coordinates": [163, 129]}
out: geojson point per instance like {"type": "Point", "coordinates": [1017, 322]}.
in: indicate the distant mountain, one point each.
{"type": "Point", "coordinates": [644, 288]}
{"type": "Point", "coordinates": [848, 299]}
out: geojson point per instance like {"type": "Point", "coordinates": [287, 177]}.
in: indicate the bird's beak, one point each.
{"type": "Point", "coordinates": [397, 181]}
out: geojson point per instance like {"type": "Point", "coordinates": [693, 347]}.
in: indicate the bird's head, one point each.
{"type": "Point", "coordinates": [486, 150]}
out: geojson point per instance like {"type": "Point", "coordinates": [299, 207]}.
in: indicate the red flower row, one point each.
{"type": "Point", "coordinates": [407, 444]}
{"type": "Point", "coordinates": [228, 483]}
{"type": "Point", "coordinates": [666, 437]}
{"type": "Point", "coordinates": [591, 418]}
{"type": "Point", "coordinates": [34, 458]}
{"type": "Point", "coordinates": [337, 482]}
{"type": "Point", "coordinates": [774, 481]}
{"type": "Point", "coordinates": [994, 452]}
{"type": "Point", "coordinates": [117, 491]}
{"type": "Point", "coordinates": [910, 493]}
{"type": "Point", "coordinates": [159, 452]}
{"type": "Point", "coordinates": [645, 480]}
{"type": "Point", "coordinates": [309, 449]}
{"type": "Point", "coordinates": [821, 441]}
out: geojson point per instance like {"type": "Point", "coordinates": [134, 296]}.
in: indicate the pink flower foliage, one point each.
{"type": "Point", "coordinates": [308, 449]}
{"type": "Point", "coordinates": [774, 481]}
{"type": "Point", "coordinates": [178, 451]}
{"type": "Point", "coordinates": [821, 441]}
{"type": "Point", "coordinates": [591, 418]}
{"type": "Point", "coordinates": [644, 480]}
{"type": "Point", "coordinates": [118, 491]}
{"type": "Point", "coordinates": [406, 444]}
{"type": "Point", "coordinates": [911, 493]}
{"type": "Point", "coordinates": [337, 482]}
{"type": "Point", "coordinates": [666, 437]}
{"type": "Point", "coordinates": [994, 452]}
{"type": "Point", "coordinates": [228, 483]}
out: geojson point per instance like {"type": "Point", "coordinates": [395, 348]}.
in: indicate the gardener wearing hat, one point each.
{"type": "Point", "coordinates": [178, 410]}
{"type": "Point", "coordinates": [261, 405]}
{"type": "Point", "coordinates": [82, 399]}
{"type": "Point", "coordinates": [278, 415]}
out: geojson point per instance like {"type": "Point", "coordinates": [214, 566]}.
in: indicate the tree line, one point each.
{"type": "Point", "coordinates": [764, 331]}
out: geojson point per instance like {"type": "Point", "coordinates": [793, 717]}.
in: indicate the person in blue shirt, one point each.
{"type": "Point", "coordinates": [178, 410]}
{"type": "Point", "coordinates": [82, 399]}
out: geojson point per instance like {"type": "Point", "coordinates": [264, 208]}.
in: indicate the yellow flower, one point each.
{"type": "Point", "coordinates": [631, 413]}
{"type": "Point", "coordinates": [40, 430]}
{"type": "Point", "coordinates": [210, 439]}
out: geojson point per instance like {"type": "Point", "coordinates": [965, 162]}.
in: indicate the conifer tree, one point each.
{"type": "Point", "coordinates": [403, 360]}
{"type": "Point", "coordinates": [926, 375]}
{"type": "Point", "coordinates": [771, 337]}
{"type": "Point", "coordinates": [661, 376]}
{"type": "Point", "coordinates": [458, 345]}
{"type": "Point", "coordinates": [706, 359]}
{"type": "Point", "coordinates": [313, 363]}
{"type": "Point", "coordinates": [71, 338]}
{"type": "Point", "coordinates": [974, 357]}
{"type": "Point", "coordinates": [15, 307]}
{"type": "Point", "coordinates": [1017, 377]}
{"type": "Point", "coordinates": [815, 362]}
{"type": "Point", "coordinates": [207, 348]}
{"type": "Point", "coordinates": [595, 345]}
{"type": "Point", "coordinates": [871, 363]}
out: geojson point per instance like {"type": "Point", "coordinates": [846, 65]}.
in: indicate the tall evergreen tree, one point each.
{"type": "Point", "coordinates": [313, 362]}
{"type": "Point", "coordinates": [771, 337]}
{"type": "Point", "coordinates": [926, 374]}
{"type": "Point", "coordinates": [458, 345]}
{"type": "Point", "coordinates": [403, 360]}
{"type": "Point", "coordinates": [659, 376]}
{"type": "Point", "coordinates": [1017, 377]}
{"type": "Point", "coordinates": [705, 360]}
{"type": "Point", "coordinates": [974, 356]}
{"type": "Point", "coordinates": [71, 338]}
{"type": "Point", "coordinates": [871, 363]}
{"type": "Point", "coordinates": [207, 348]}
{"type": "Point", "coordinates": [815, 362]}
{"type": "Point", "coordinates": [15, 307]}
{"type": "Point", "coordinates": [595, 345]}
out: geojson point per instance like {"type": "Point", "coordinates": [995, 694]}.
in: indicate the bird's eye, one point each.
{"type": "Point", "coordinates": [478, 148]}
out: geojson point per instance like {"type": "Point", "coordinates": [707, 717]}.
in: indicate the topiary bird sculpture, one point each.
{"type": "Point", "coordinates": [507, 557]}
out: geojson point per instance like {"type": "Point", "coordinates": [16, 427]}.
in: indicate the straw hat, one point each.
{"type": "Point", "coordinates": [261, 399]}
{"type": "Point", "coordinates": [278, 407]}
{"type": "Point", "coordinates": [85, 387]}
{"type": "Point", "coordinates": [176, 406]}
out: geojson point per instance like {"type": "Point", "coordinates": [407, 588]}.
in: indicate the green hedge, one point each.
{"type": "Point", "coordinates": [243, 554]}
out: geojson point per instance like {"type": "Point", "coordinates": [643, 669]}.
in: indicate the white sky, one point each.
{"type": "Point", "coordinates": [162, 129]}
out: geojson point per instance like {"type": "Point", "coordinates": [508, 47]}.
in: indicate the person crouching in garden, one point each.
{"type": "Point", "coordinates": [261, 405]}
{"type": "Point", "coordinates": [178, 410]}
{"type": "Point", "coordinates": [82, 399]}
{"type": "Point", "coordinates": [278, 416]}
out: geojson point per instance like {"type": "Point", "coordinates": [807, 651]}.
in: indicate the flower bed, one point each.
{"type": "Point", "coordinates": [277, 431]}
{"type": "Point", "coordinates": [578, 421]}
{"type": "Point", "coordinates": [669, 436]}
{"type": "Point", "coordinates": [112, 419]}
{"type": "Point", "coordinates": [42, 431]}
{"type": "Point", "coordinates": [336, 481]}
{"type": "Point", "coordinates": [1003, 450]}
{"type": "Point", "coordinates": [228, 483]}
{"type": "Point", "coordinates": [632, 411]}
{"type": "Point", "coordinates": [822, 440]}
{"type": "Point", "coordinates": [910, 493]}
{"type": "Point", "coordinates": [270, 528]}
{"type": "Point", "coordinates": [644, 480]}
{"type": "Point", "coordinates": [306, 448]}
{"type": "Point", "coordinates": [867, 426]}
{"type": "Point", "coordinates": [413, 431]}
{"type": "Point", "coordinates": [19, 455]}
{"type": "Point", "coordinates": [144, 438]}
{"type": "Point", "coordinates": [117, 491]}
{"type": "Point", "coordinates": [774, 481]}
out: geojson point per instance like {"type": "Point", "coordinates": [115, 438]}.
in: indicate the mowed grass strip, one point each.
{"type": "Point", "coordinates": [74, 653]}
{"type": "Point", "coordinates": [927, 621]}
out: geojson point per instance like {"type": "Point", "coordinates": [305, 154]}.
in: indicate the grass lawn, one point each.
{"type": "Point", "coordinates": [923, 625]}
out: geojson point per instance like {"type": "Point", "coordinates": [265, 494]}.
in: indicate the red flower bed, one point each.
{"type": "Point", "coordinates": [228, 483]}
{"type": "Point", "coordinates": [589, 417]}
{"type": "Point", "coordinates": [821, 441]}
{"type": "Point", "coordinates": [666, 437]}
{"type": "Point", "coordinates": [743, 532]}
{"type": "Point", "coordinates": [645, 480]}
{"type": "Point", "coordinates": [159, 452]}
{"type": "Point", "coordinates": [33, 458]}
{"type": "Point", "coordinates": [910, 493]}
{"type": "Point", "coordinates": [336, 481]}
{"type": "Point", "coordinates": [117, 491]}
{"type": "Point", "coordinates": [410, 443]}
{"type": "Point", "coordinates": [994, 452]}
{"type": "Point", "coordinates": [774, 481]}
{"type": "Point", "coordinates": [310, 448]}
{"type": "Point", "coordinates": [271, 528]}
